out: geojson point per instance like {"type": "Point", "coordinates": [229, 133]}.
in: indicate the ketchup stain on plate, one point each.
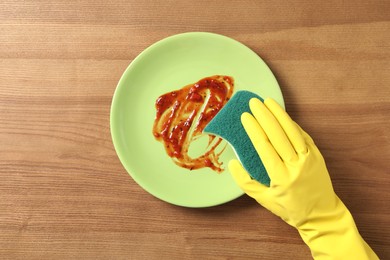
{"type": "Point", "coordinates": [181, 116]}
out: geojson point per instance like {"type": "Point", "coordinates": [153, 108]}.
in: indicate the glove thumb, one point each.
{"type": "Point", "coordinates": [250, 186]}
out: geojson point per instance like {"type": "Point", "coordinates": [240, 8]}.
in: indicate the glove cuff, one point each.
{"type": "Point", "coordinates": [334, 235]}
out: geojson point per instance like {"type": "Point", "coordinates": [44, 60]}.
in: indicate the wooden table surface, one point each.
{"type": "Point", "coordinates": [63, 191]}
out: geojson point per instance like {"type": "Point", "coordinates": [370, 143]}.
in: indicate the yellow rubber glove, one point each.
{"type": "Point", "coordinates": [301, 192]}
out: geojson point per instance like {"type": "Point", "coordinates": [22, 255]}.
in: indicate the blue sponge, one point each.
{"type": "Point", "coordinates": [227, 124]}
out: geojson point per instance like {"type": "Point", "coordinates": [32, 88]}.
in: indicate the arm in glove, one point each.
{"type": "Point", "coordinates": [301, 191]}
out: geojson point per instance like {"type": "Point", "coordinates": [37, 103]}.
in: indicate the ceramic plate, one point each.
{"type": "Point", "coordinates": [165, 66]}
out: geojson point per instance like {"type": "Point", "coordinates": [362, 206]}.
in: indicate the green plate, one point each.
{"type": "Point", "coordinates": [168, 65]}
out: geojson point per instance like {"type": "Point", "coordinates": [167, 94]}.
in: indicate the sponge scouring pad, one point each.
{"type": "Point", "coordinates": [227, 124]}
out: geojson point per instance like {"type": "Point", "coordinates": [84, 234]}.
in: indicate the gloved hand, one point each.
{"type": "Point", "coordinates": [301, 191]}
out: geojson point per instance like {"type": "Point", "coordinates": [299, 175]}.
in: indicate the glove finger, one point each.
{"type": "Point", "coordinates": [289, 126]}
{"type": "Point", "coordinates": [251, 187]}
{"type": "Point", "coordinates": [310, 143]}
{"type": "Point", "coordinates": [264, 148]}
{"type": "Point", "coordinates": [305, 135]}
{"type": "Point", "coordinates": [273, 130]}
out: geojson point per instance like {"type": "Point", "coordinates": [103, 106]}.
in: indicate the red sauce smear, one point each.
{"type": "Point", "coordinates": [182, 115]}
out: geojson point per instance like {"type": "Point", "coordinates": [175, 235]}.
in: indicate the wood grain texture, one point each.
{"type": "Point", "coordinates": [64, 193]}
